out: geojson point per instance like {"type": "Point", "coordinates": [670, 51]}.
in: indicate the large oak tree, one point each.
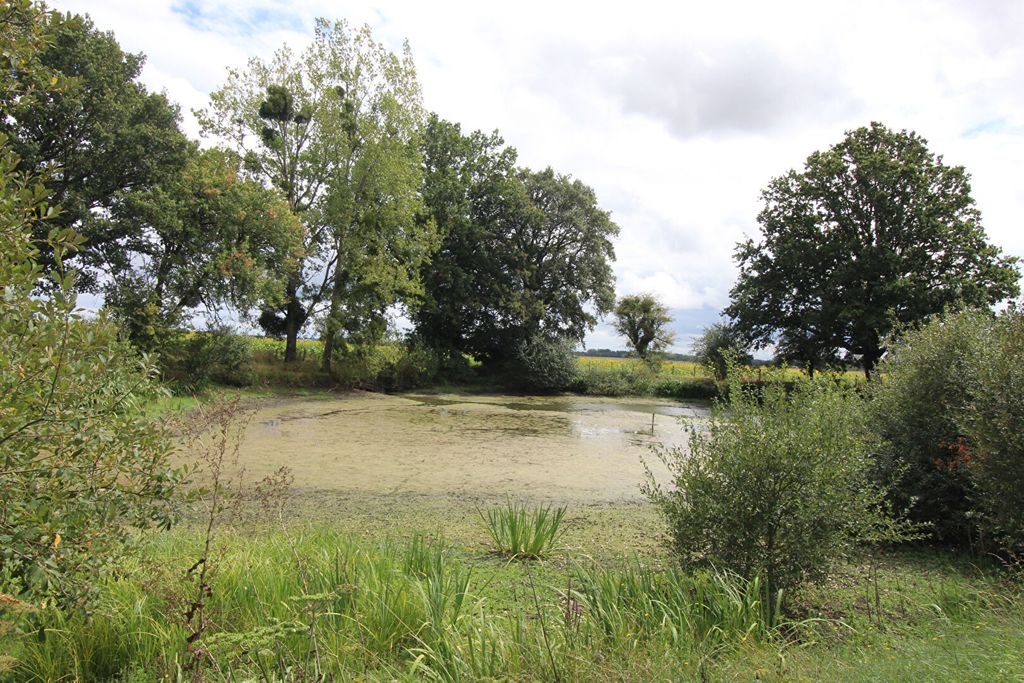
{"type": "Point", "coordinates": [876, 230]}
{"type": "Point", "coordinates": [522, 252]}
{"type": "Point", "coordinates": [98, 139]}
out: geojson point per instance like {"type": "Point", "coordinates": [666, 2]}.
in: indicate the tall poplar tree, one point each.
{"type": "Point", "coordinates": [335, 130]}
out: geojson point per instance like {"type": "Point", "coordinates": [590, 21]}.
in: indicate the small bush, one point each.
{"type": "Point", "coordinates": [415, 365]}
{"type": "Point", "coordinates": [199, 359]}
{"type": "Point", "coordinates": [631, 378]}
{"type": "Point", "coordinates": [520, 532]}
{"type": "Point", "coordinates": [775, 486]}
{"type": "Point", "coordinates": [544, 364]}
{"type": "Point", "coordinates": [700, 388]}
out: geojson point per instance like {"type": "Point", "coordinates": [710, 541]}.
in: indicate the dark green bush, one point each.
{"type": "Point", "coordinates": [416, 365]}
{"type": "Point", "coordinates": [697, 388]}
{"type": "Point", "coordinates": [920, 394]}
{"type": "Point", "coordinates": [994, 424]}
{"type": "Point", "coordinates": [194, 361]}
{"type": "Point", "coordinates": [543, 364]}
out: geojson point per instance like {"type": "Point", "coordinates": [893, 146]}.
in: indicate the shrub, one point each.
{"type": "Point", "coordinates": [626, 378]}
{"type": "Point", "coordinates": [994, 424]}
{"type": "Point", "coordinates": [217, 356]}
{"type": "Point", "coordinates": [700, 388]}
{"type": "Point", "coordinates": [80, 465]}
{"type": "Point", "coordinates": [544, 364]}
{"type": "Point", "coordinates": [774, 487]}
{"type": "Point", "coordinates": [920, 393]}
{"type": "Point", "coordinates": [415, 365]}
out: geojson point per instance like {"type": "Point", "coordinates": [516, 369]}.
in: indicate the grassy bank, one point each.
{"type": "Point", "coordinates": [260, 363]}
{"type": "Point", "coordinates": [395, 599]}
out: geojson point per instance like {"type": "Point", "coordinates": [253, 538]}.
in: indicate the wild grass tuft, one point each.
{"type": "Point", "coordinates": [706, 608]}
{"type": "Point", "coordinates": [521, 532]}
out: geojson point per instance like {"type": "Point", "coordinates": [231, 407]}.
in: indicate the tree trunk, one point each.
{"type": "Point", "coordinates": [870, 361]}
{"type": "Point", "coordinates": [331, 326]}
{"type": "Point", "coordinates": [294, 317]}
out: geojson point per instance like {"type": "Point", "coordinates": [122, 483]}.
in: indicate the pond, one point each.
{"type": "Point", "coordinates": [544, 448]}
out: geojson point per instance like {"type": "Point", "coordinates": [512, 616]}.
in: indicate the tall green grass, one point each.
{"type": "Point", "coordinates": [522, 532]}
{"type": "Point", "coordinates": [318, 603]}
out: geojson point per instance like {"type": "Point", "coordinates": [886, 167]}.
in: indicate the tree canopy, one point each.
{"type": "Point", "coordinates": [716, 346]}
{"type": "Point", "coordinates": [876, 230]}
{"type": "Point", "coordinates": [205, 238]}
{"type": "Point", "coordinates": [522, 252]}
{"type": "Point", "coordinates": [644, 321]}
{"type": "Point", "coordinates": [98, 139]}
{"type": "Point", "coordinates": [335, 129]}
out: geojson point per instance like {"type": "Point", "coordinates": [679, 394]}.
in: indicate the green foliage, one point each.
{"type": "Point", "coordinates": [949, 407]}
{"type": "Point", "coordinates": [522, 252]}
{"type": "Point", "coordinates": [775, 486]}
{"type": "Point", "coordinates": [925, 384]}
{"type": "Point", "coordinates": [874, 230]}
{"type": "Point", "coordinates": [194, 361]}
{"type": "Point", "coordinates": [993, 424]}
{"type": "Point", "coordinates": [520, 532]}
{"type": "Point", "coordinates": [335, 130]}
{"type": "Point", "coordinates": [643, 321]}
{"type": "Point", "coordinates": [204, 239]}
{"type": "Point", "coordinates": [707, 607]}
{"type": "Point", "coordinates": [420, 608]}
{"type": "Point", "coordinates": [416, 366]}
{"type": "Point", "coordinates": [79, 465]}
{"type": "Point", "coordinates": [621, 379]}
{"type": "Point", "coordinates": [717, 346]}
{"type": "Point", "coordinates": [104, 137]}
{"type": "Point", "coordinates": [544, 364]}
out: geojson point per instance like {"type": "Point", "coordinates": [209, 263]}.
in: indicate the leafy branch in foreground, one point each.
{"type": "Point", "coordinates": [79, 463]}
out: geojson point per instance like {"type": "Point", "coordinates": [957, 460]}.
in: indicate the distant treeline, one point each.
{"type": "Point", "coordinates": [684, 357]}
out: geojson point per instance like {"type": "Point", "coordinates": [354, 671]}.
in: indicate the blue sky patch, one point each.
{"type": "Point", "coordinates": [998, 126]}
{"type": "Point", "coordinates": [249, 22]}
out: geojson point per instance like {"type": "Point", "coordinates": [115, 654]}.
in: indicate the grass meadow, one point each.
{"type": "Point", "coordinates": [372, 596]}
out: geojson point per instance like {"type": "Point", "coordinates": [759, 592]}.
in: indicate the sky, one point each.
{"type": "Point", "coordinates": [677, 114]}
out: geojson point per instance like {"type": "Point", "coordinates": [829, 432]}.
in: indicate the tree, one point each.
{"type": "Point", "coordinates": [717, 346]}
{"type": "Point", "coordinates": [466, 181]}
{"type": "Point", "coordinates": [99, 138]}
{"type": "Point", "coordinates": [522, 253]}
{"type": "Point", "coordinates": [206, 237]}
{"type": "Point", "coordinates": [335, 131]}
{"type": "Point", "coordinates": [644, 321]}
{"type": "Point", "coordinates": [876, 230]}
